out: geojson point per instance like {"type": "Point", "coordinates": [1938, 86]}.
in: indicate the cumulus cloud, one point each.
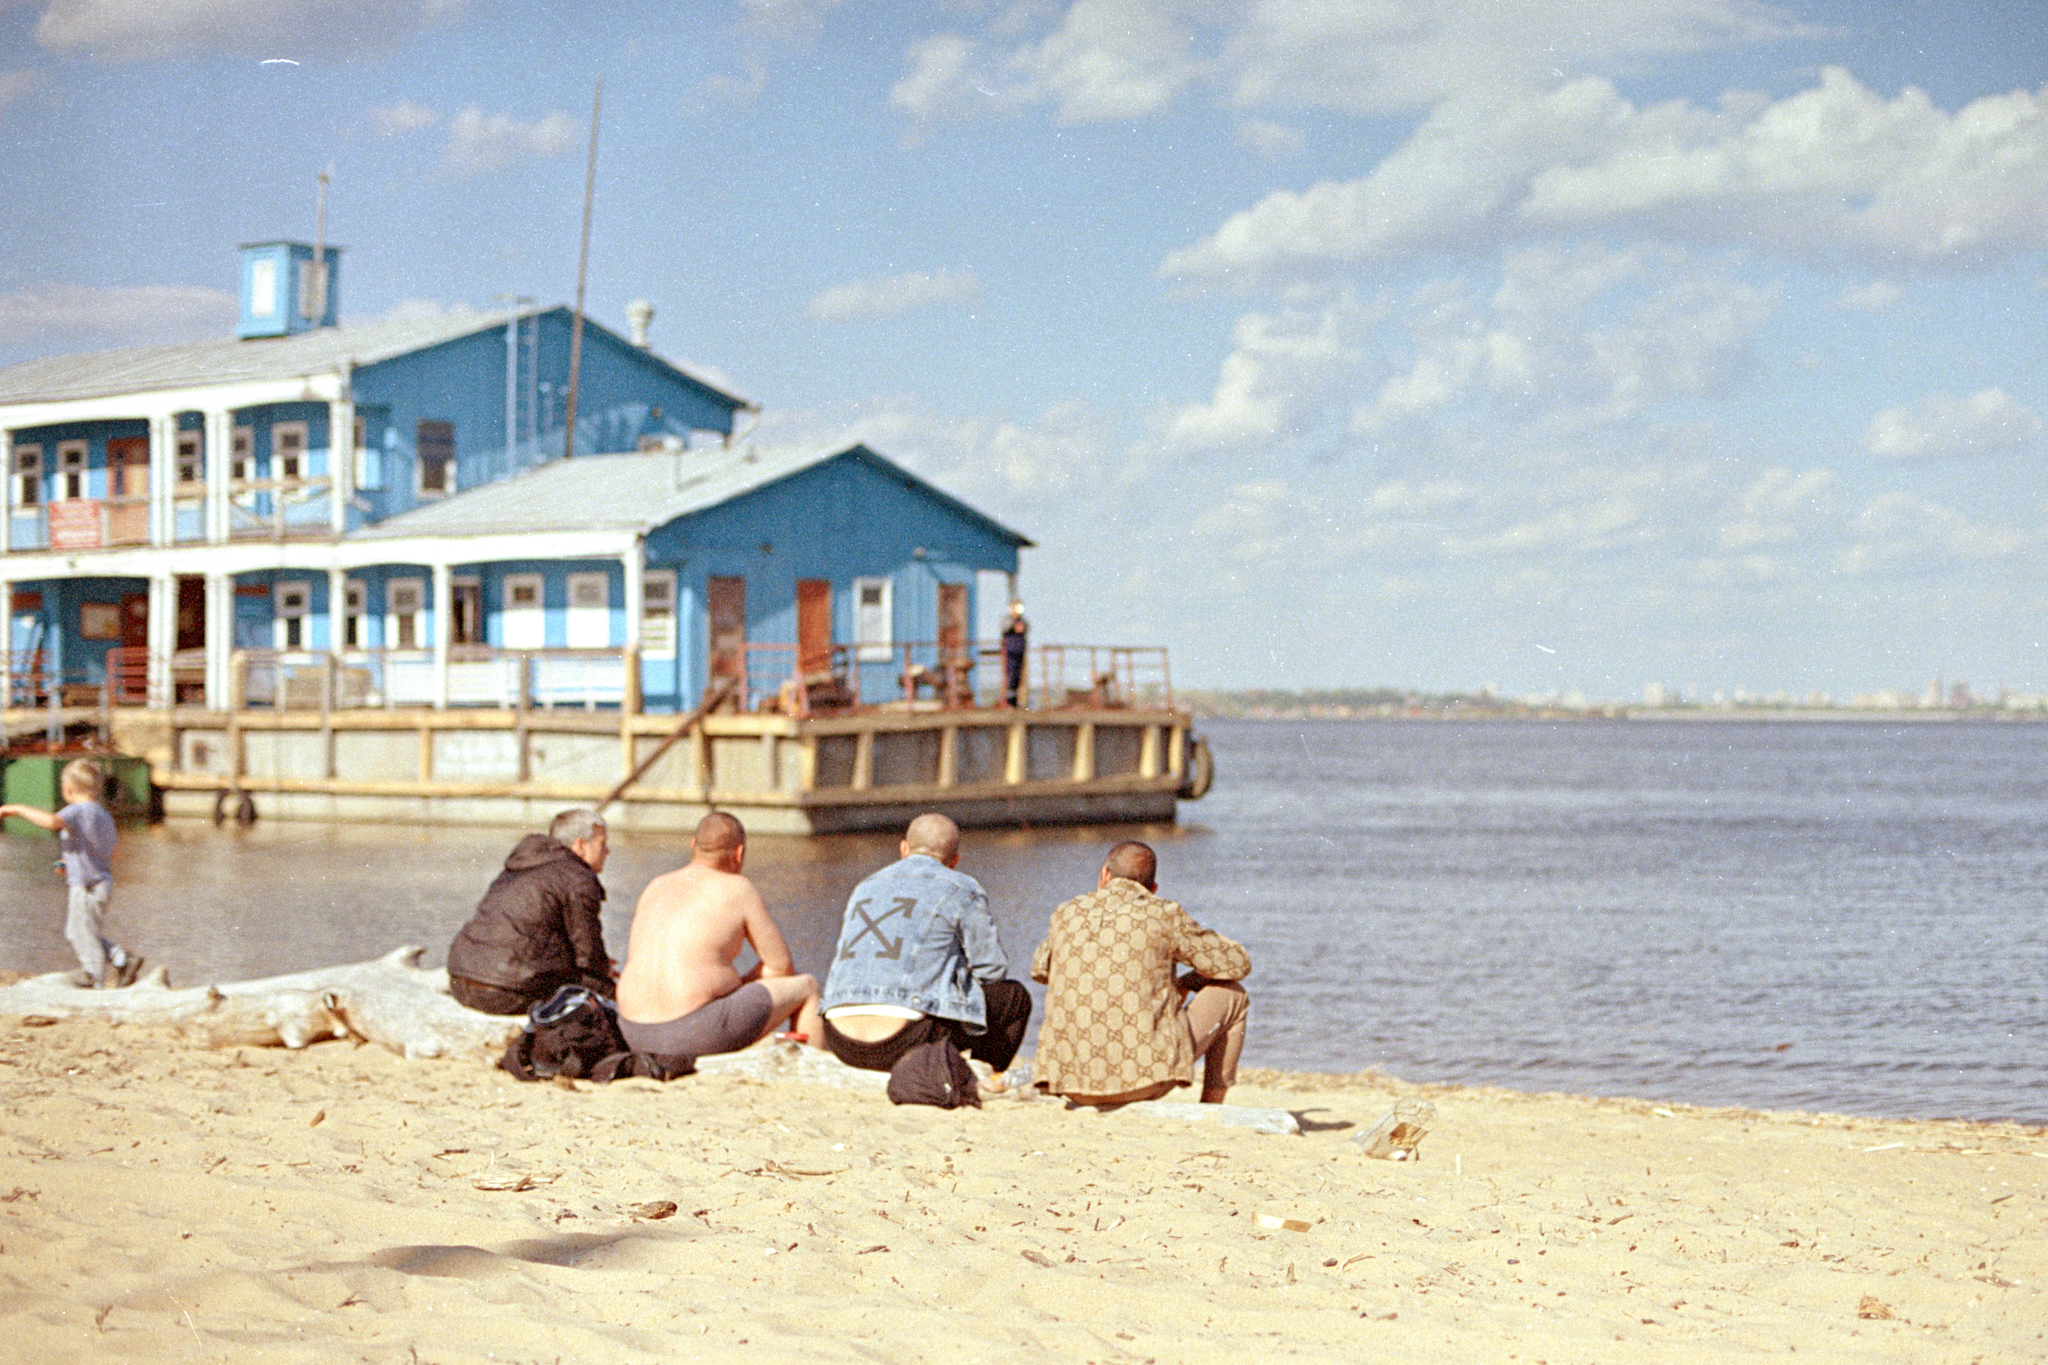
{"type": "Point", "coordinates": [785, 21]}
{"type": "Point", "coordinates": [80, 315]}
{"type": "Point", "coordinates": [1270, 140]}
{"type": "Point", "coordinates": [884, 296]}
{"type": "Point", "coordinates": [1777, 508]}
{"type": "Point", "coordinates": [17, 83]}
{"type": "Point", "coordinates": [149, 30]}
{"type": "Point", "coordinates": [1903, 531]}
{"type": "Point", "coordinates": [1873, 297]}
{"type": "Point", "coordinates": [1835, 170]}
{"type": "Point", "coordinates": [1282, 368]}
{"type": "Point", "coordinates": [402, 117]}
{"type": "Point", "coordinates": [1121, 59]}
{"type": "Point", "coordinates": [1941, 427]}
{"type": "Point", "coordinates": [480, 142]}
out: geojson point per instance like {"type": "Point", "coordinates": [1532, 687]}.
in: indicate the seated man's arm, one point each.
{"type": "Point", "coordinates": [1212, 956]}
{"type": "Point", "coordinates": [766, 940]}
{"type": "Point", "coordinates": [582, 919]}
{"type": "Point", "coordinates": [980, 942]}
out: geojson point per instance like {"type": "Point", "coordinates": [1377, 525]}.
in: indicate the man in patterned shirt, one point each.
{"type": "Point", "coordinates": [1118, 1026]}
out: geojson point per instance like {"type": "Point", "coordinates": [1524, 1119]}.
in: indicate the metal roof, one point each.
{"type": "Point", "coordinates": [634, 492]}
{"type": "Point", "coordinates": [324, 350]}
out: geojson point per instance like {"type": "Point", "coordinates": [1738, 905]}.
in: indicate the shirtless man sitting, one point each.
{"type": "Point", "coordinates": [679, 996]}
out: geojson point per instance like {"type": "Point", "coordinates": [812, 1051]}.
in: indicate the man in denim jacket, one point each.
{"type": "Point", "coordinates": [919, 959]}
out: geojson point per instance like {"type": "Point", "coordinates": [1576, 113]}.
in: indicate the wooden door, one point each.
{"type": "Point", "coordinates": [955, 663]}
{"type": "Point", "coordinates": [813, 626]}
{"type": "Point", "coordinates": [128, 490]}
{"type": "Point", "coordinates": [128, 667]}
{"type": "Point", "coordinates": [725, 601]}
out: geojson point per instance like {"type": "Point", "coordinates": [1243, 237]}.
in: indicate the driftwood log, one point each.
{"type": "Point", "coordinates": [391, 1001]}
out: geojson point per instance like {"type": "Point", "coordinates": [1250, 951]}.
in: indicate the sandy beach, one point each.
{"type": "Point", "coordinates": [163, 1201]}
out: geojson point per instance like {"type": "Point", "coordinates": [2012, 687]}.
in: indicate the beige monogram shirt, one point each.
{"type": "Point", "coordinates": [1112, 1014]}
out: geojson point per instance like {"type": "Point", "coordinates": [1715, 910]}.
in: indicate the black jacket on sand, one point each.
{"type": "Point", "coordinates": [537, 927]}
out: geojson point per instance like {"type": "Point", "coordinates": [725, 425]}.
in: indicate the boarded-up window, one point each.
{"type": "Point", "coordinates": [658, 613]}
{"type": "Point", "coordinates": [28, 475]}
{"type": "Point", "coordinates": [437, 457]}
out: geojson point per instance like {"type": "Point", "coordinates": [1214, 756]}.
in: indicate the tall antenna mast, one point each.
{"type": "Point", "coordinates": [313, 302]}
{"type": "Point", "coordinates": [582, 274]}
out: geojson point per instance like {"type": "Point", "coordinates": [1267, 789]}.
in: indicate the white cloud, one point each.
{"type": "Point", "coordinates": [149, 30]}
{"type": "Point", "coordinates": [1875, 296]}
{"type": "Point", "coordinates": [1830, 171]}
{"type": "Point", "coordinates": [115, 316]}
{"type": "Point", "coordinates": [402, 117]}
{"type": "Point", "coordinates": [1283, 367]}
{"type": "Point", "coordinates": [1900, 531]}
{"type": "Point", "coordinates": [1941, 427]}
{"type": "Point", "coordinates": [1122, 59]}
{"type": "Point", "coordinates": [480, 142]}
{"type": "Point", "coordinates": [785, 21]}
{"type": "Point", "coordinates": [17, 83]}
{"type": "Point", "coordinates": [1270, 140]}
{"type": "Point", "coordinates": [884, 296]}
{"type": "Point", "coordinates": [1776, 508]}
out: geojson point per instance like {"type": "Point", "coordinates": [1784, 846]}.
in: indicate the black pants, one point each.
{"type": "Point", "coordinates": [489, 999]}
{"type": "Point", "coordinates": [1008, 1005]}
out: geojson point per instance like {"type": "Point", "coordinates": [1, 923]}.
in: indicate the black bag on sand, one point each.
{"type": "Point", "coordinates": [575, 1033]}
{"type": "Point", "coordinates": [934, 1073]}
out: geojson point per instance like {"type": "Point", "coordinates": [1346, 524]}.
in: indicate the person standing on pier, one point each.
{"type": "Point", "coordinates": [537, 928]}
{"type": "Point", "coordinates": [85, 837]}
{"type": "Point", "coordinates": [1016, 643]}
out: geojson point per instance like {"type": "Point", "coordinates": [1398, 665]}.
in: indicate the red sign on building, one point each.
{"type": "Point", "coordinates": [75, 524]}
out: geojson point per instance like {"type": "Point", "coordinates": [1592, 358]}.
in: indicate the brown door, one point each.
{"type": "Point", "coordinates": [813, 626]}
{"type": "Point", "coordinates": [725, 601]}
{"type": "Point", "coordinates": [954, 661]}
{"type": "Point", "coordinates": [129, 666]}
{"type": "Point", "coordinates": [128, 490]}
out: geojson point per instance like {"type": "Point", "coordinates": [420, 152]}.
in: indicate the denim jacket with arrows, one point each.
{"type": "Point", "coordinates": [917, 934]}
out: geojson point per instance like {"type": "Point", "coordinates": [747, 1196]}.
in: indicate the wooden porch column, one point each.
{"type": "Point", "coordinates": [634, 565]}
{"type": "Point", "coordinates": [163, 639]}
{"type": "Point", "coordinates": [341, 461]}
{"type": "Point", "coordinates": [1084, 751]}
{"type": "Point", "coordinates": [444, 626]}
{"type": "Point", "coordinates": [220, 635]}
{"type": "Point", "coordinates": [220, 438]}
{"type": "Point", "coordinates": [6, 638]}
{"type": "Point", "coordinates": [163, 477]}
{"type": "Point", "coordinates": [1015, 759]}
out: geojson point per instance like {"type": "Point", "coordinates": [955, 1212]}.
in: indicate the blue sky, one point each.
{"type": "Point", "coordinates": [1428, 342]}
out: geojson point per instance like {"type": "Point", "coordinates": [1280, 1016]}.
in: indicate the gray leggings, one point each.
{"type": "Point", "coordinates": [727, 1024]}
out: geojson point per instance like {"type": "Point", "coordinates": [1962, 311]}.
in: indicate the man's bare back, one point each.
{"type": "Point", "coordinates": [689, 928]}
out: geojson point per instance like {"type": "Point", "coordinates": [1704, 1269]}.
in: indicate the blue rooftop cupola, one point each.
{"type": "Point", "coordinates": [282, 290]}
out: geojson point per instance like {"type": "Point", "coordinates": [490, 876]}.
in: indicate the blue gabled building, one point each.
{"type": "Point", "coordinates": [393, 497]}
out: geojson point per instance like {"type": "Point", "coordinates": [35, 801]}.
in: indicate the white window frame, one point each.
{"type": "Point", "coordinates": [190, 459]}
{"type": "Point", "coordinates": [242, 455]}
{"type": "Point", "coordinates": [405, 602]}
{"type": "Point", "coordinates": [74, 466]}
{"type": "Point", "coordinates": [587, 620]}
{"type": "Point", "coordinates": [288, 452]}
{"type": "Point", "coordinates": [658, 614]}
{"type": "Point", "coordinates": [523, 625]}
{"type": "Point", "coordinates": [28, 475]}
{"type": "Point", "coordinates": [291, 607]}
{"type": "Point", "coordinates": [354, 596]}
{"type": "Point", "coordinates": [874, 626]}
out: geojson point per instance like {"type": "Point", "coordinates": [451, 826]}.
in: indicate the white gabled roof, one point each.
{"type": "Point", "coordinates": [631, 492]}
{"type": "Point", "coordinates": [203, 364]}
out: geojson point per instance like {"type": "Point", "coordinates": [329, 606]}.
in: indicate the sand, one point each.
{"type": "Point", "coordinates": [162, 1201]}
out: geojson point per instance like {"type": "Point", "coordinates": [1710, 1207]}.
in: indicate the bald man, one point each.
{"type": "Point", "coordinates": [680, 997]}
{"type": "Point", "coordinates": [919, 959]}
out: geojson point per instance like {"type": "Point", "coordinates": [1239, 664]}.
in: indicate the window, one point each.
{"type": "Point", "coordinates": [28, 475]}
{"type": "Point", "coordinates": [466, 612]}
{"type": "Point", "coordinates": [352, 598]}
{"type": "Point", "coordinates": [288, 452]}
{"type": "Point", "coordinates": [289, 605]}
{"type": "Point", "coordinates": [437, 458]}
{"type": "Point", "coordinates": [525, 621]}
{"type": "Point", "coordinates": [590, 611]}
{"type": "Point", "coordinates": [191, 459]}
{"type": "Point", "coordinates": [241, 454]}
{"type": "Point", "coordinates": [71, 466]}
{"type": "Point", "coordinates": [658, 613]}
{"type": "Point", "coordinates": [403, 599]}
{"type": "Point", "coordinates": [873, 621]}
{"type": "Point", "coordinates": [262, 288]}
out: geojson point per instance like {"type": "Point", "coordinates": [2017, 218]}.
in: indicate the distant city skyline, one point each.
{"type": "Point", "coordinates": [1702, 342]}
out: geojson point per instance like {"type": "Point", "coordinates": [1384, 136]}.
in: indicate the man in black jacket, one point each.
{"type": "Point", "coordinates": [537, 928]}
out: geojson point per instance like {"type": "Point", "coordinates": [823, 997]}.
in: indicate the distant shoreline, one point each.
{"type": "Point", "coordinates": [1208, 708]}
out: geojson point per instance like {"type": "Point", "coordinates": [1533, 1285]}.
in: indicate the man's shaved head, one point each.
{"type": "Point", "coordinates": [934, 835]}
{"type": "Point", "coordinates": [717, 834]}
{"type": "Point", "coordinates": [1133, 861]}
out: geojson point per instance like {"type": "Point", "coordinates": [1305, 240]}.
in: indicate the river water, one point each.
{"type": "Point", "coordinates": [1812, 915]}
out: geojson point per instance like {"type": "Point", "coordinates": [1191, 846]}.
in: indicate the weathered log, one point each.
{"type": "Point", "coordinates": [391, 1001]}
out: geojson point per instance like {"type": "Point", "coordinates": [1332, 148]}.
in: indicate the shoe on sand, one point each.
{"type": "Point", "coordinates": [125, 974]}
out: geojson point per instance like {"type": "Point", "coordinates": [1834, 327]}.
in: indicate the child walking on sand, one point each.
{"type": "Point", "coordinates": [85, 834]}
